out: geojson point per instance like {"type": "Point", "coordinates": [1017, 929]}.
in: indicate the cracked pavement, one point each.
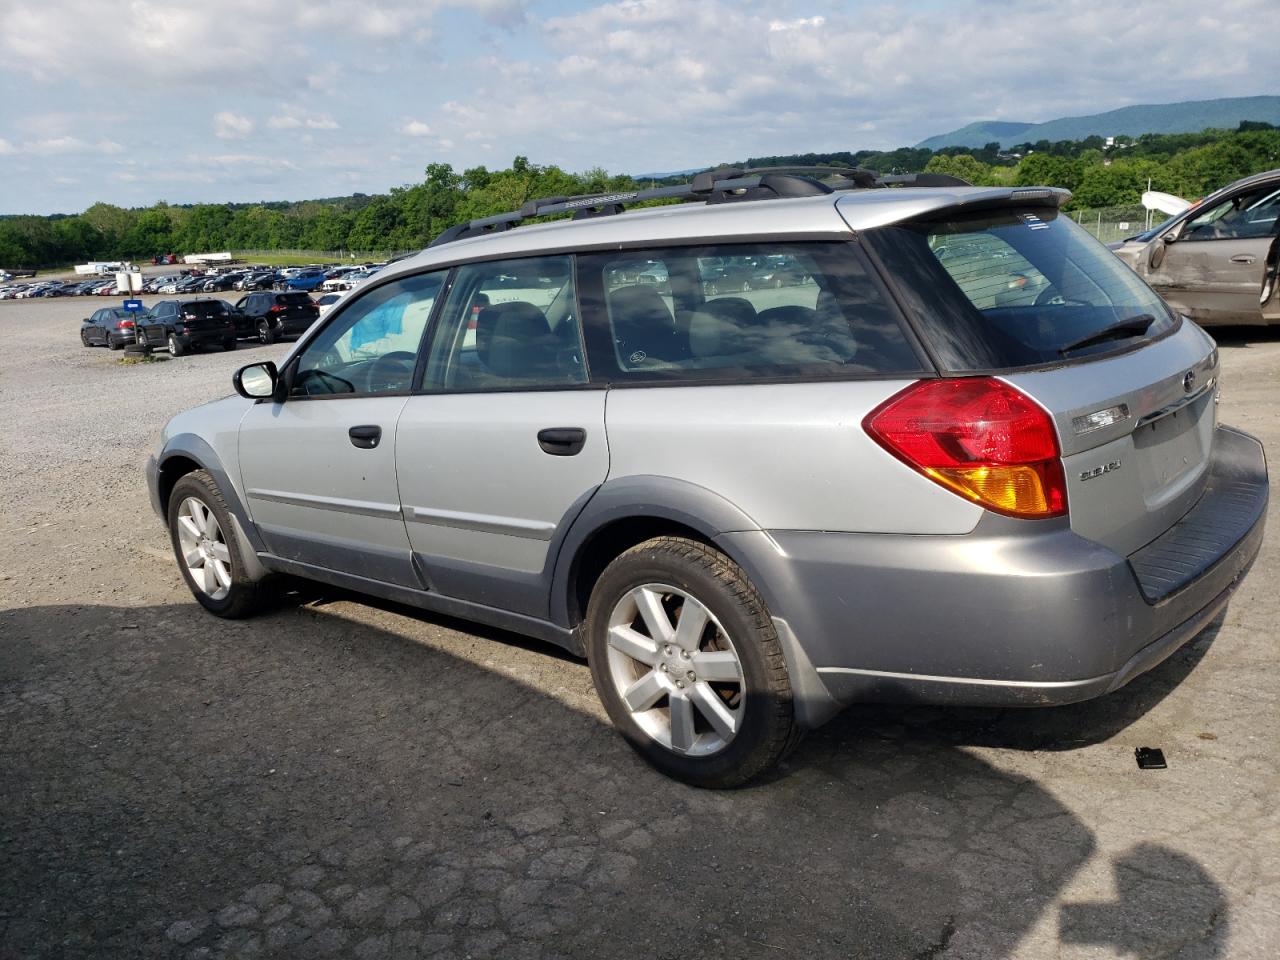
{"type": "Point", "coordinates": [351, 778]}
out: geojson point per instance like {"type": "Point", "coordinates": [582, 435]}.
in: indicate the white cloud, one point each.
{"type": "Point", "coordinates": [230, 126]}
{"type": "Point", "coordinates": [415, 128]}
{"type": "Point", "coordinates": [54, 146]}
{"type": "Point", "coordinates": [289, 121]}
{"type": "Point", "coordinates": [109, 147]}
{"type": "Point", "coordinates": [7, 149]}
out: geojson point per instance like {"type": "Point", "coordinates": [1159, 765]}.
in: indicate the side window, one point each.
{"type": "Point", "coordinates": [508, 324]}
{"type": "Point", "coordinates": [371, 346]}
{"type": "Point", "coordinates": [745, 311]}
{"type": "Point", "coordinates": [1247, 216]}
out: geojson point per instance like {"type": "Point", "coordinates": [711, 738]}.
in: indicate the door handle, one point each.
{"type": "Point", "coordinates": [562, 441]}
{"type": "Point", "coordinates": [1243, 258]}
{"type": "Point", "coordinates": [365, 436]}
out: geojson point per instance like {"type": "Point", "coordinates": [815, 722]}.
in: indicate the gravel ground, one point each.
{"type": "Point", "coordinates": [341, 778]}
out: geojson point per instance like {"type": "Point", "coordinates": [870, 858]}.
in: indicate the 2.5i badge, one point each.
{"type": "Point", "coordinates": [1099, 471]}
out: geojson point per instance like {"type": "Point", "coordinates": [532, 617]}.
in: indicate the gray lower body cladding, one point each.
{"type": "Point", "coordinates": [1016, 613]}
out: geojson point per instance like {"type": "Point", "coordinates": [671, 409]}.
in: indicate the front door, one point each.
{"type": "Point", "coordinates": [506, 444]}
{"type": "Point", "coordinates": [1214, 271]}
{"type": "Point", "coordinates": [319, 469]}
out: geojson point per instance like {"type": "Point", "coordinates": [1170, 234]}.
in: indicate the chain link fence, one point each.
{"type": "Point", "coordinates": [1109, 224]}
{"type": "Point", "coordinates": [323, 256]}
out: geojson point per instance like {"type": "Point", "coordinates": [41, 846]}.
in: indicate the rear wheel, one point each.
{"type": "Point", "coordinates": [175, 346]}
{"type": "Point", "coordinates": [746, 286]}
{"type": "Point", "coordinates": [208, 552]}
{"type": "Point", "coordinates": [264, 333]}
{"type": "Point", "coordinates": [686, 659]}
{"type": "Point", "coordinates": [228, 345]}
{"type": "Point", "coordinates": [113, 343]}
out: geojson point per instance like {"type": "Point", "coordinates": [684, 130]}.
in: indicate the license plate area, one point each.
{"type": "Point", "coordinates": [1170, 452]}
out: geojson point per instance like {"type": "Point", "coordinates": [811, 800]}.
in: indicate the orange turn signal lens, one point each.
{"type": "Point", "coordinates": [1018, 489]}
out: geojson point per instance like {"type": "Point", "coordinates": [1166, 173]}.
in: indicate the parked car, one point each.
{"type": "Point", "coordinates": [182, 326]}
{"type": "Point", "coordinates": [257, 280]}
{"type": "Point", "coordinates": [190, 284]}
{"type": "Point", "coordinates": [109, 327]}
{"type": "Point", "coordinates": [271, 316]}
{"type": "Point", "coordinates": [306, 280]}
{"type": "Point", "coordinates": [327, 301]}
{"type": "Point", "coordinates": [1219, 261]}
{"type": "Point", "coordinates": [221, 282]}
{"type": "Point", "coordinates": [748, 511]}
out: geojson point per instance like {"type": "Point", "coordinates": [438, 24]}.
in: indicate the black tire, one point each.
{"type": "Point", "coordinates": [769, 729]}
{"type": "Point", "coordinates": [245, 597]}
{"type": "Point", "coordinates": [228, 345]}
{"type": "Point", "coordinates": [113, 343]}
{"type": "Point", "coordinates": [265, 333]}
{"type": "Point", "coordinates": [746, 286]}
{"type": "Point", "coordinates": [175, 346]}
{"type": "Point", "coordinates": [84, 339]}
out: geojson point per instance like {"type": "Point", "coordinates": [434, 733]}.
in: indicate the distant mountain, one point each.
{"type": "Point", "coordinates": [1189, 116]}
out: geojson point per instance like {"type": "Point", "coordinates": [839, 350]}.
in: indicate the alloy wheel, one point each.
{"type": "Point", "coordinates": [676, 670]}
{"type": "Point", "coordinates": [204, 548]}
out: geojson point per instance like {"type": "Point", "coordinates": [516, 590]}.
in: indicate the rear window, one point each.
{"type": "Point", "coordinates": [205, 308]}
{"type": "Point", "coordinates": [743, 311]}
{"type": "Point", "coordinates": [290, 298]}
{"type": "Point", "coordinates": [1017, 288]}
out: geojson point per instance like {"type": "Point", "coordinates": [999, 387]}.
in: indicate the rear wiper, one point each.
{"type": "Point", "coordinates": [1132, 326]}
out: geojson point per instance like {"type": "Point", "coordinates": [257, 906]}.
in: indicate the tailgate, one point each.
{"type": "Point", "coordinates": [1137, 432]}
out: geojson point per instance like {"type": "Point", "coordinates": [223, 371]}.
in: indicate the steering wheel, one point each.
{"type": "Point", "coordinates": [1050, 296]}
{"type": "Point", "coordinates": [324, 382]}
{"type": "Point", "coordinates": [391, 371]}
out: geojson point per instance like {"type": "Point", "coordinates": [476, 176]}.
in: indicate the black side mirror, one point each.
{"type": "Point", "coordinates": [257, 381]}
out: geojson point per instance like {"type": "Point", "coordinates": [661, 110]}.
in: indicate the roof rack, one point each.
{"type": "Point", "coordinates": [722, 185]}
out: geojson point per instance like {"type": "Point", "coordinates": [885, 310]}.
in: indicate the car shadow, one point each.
{"type": "Point", "coordinates": [1243, 335]}
{"type": "Point", "coordinates": [306, 784]}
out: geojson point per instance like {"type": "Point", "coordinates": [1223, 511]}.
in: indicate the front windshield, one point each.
{"type": "Point", "coordinates": [1016, 288]}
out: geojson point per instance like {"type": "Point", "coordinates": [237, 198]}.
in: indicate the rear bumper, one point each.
{"type": "Point", "coordinates": [1016, 613]}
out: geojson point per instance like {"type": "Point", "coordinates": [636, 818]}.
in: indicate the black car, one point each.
{"type": "Point", "coordinates": [191, 284]}
{"type": "Point", "coordinates": [270, 315]}
{"type": "Point", "coordinates": [260, 280]}
{"type": "Point", "coordinates": [109, 327]}
{"type": "Point", "coordinates": [183, 326]}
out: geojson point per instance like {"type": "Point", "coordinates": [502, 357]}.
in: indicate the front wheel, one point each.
{"type": "Point", "coordinates": [687, 661]}
{"type": "Point", "coordinates": [208, 552]}
{"type": "Point", "coordinates": [84, 339]}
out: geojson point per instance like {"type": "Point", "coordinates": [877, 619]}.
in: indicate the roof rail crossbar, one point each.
{"type": "Point", "coordinates": [722, 185]}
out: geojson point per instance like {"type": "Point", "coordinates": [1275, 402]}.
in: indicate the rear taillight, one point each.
{"type": "Point", "coordinates": [124, 324]}
{"type": "Point", "coordinates": [980, 438]}
{"type": "Point", "coordinates": [276, 309]}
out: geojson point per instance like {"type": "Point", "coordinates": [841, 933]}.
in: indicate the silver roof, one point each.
{"type": "Point", "coordinates": [843, 211]}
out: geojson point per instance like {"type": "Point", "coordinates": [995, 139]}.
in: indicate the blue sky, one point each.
{"type": "Point", "coordinates": [134, 101]}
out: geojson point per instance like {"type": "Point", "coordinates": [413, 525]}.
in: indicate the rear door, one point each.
{"type": "Point", "coordinates": [319, 469]}
{"type": "Point", "coordinates": [1028, 295]}
{"type": "Point", "coordinates": [1214, 271]}
{"type": "Point", "coordinates": [507, 442]}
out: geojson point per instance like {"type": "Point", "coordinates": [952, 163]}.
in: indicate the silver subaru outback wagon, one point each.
{"type": "Point", "coordinates": [949, 450]}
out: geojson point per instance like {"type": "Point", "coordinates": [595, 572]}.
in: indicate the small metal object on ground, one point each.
{"type": "Point", "coordinates": [1150, 758]}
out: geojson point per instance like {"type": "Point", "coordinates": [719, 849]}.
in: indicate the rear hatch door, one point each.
{"type": "Point", "coordinates": [1023, 293]}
